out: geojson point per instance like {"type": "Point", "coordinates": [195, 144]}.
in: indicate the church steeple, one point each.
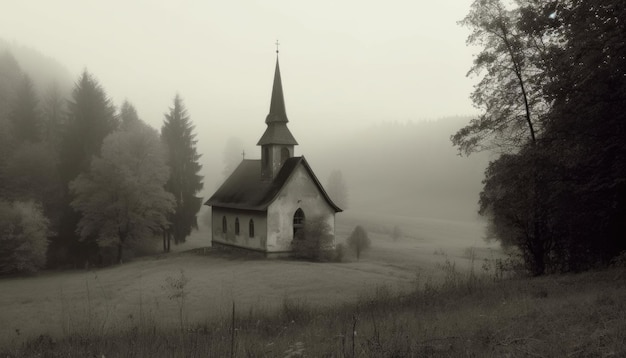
{"type": "Point", "coordinates": [277, 143]}
{"type": "Point", "coordinates": [277, 105]}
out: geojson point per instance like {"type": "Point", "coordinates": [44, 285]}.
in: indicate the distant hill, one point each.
{"type": "Point", "coordinates": [408, 169]}
{"type": "Point", "coordinates": [43, 70]}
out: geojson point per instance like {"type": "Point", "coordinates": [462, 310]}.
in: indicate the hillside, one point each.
{"type": "Point", "coordinates": [408, 169]}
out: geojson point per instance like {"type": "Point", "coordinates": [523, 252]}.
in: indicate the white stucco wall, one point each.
{"type": "Point", "coordinates": [299, 192]}
{"type": "Point", "coordinates": [258, 242]}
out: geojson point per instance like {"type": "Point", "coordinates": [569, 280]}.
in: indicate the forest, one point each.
{"type": "Point", "coordinates": [553, 102]}
{"type": "Point", "coordinates": [81, 180]}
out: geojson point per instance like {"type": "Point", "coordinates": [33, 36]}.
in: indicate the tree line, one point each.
{"type": "Point", "coordinates": [82, 181]}
{"type": "Point", "coordinates": [552, 96]}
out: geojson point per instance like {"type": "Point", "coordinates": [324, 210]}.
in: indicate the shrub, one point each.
{"type": "Point", "coordinates": [315, 241]}
{"type": "Point", "coordinates": [23, 237]}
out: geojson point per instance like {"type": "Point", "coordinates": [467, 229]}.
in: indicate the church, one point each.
{"type": "Point", "coordinates": [264, 204]}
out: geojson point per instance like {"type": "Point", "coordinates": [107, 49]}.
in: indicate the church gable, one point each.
{"type": "Point", "coordinates": [301, 196]}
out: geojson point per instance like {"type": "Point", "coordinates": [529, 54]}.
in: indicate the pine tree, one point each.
{"type": "Point", "coordinates": [25, 116]}
{"type": "Point", "coordinates": [185, 180]}
{"type": "Point", "coordinates": [128, 115]}
{"type": "Point", "coordinates": [91, 117]}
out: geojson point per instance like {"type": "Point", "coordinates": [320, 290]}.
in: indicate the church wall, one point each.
{"type": "Point", "coordinates": [299, 192]}
{"type": "Point", "coordinates": [258, 242]}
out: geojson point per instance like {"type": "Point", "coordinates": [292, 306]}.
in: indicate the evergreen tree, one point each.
{"type": "Point", "coordinates": [25, 117]}
{"type": "Point", "coordinates": [128, 115]}
{"type": "Point", "coordinates": [54, 111]}
{"type": "Point", "coordinates": [10, 75]}
{"type": "Point", "coordinates": [185, 180]}
{"type": "Point", "coordinates": [91, 117]}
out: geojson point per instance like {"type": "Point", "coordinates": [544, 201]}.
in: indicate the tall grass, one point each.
{"type": "Point", "coordinates": [470, 313]}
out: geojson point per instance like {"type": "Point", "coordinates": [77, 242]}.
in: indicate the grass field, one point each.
{"type": "Point", "coordinates": [60, 303]}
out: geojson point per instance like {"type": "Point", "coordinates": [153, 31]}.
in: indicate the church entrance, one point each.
{"type": "Point", "coordinates": [298, 224]}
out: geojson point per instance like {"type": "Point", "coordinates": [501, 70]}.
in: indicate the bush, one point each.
{"type": "Point", "coordinates": [23, 237]}
{"type": "Point", "coordinates": [315, 241]}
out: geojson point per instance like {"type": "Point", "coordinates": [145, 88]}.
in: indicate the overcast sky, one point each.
{"type": "Point", "coordinates": [344, 64]}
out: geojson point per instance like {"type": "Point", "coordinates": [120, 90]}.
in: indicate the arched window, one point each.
{"type": "Point", "coordinates": [284, 154]}
{"type": "Point", "coordinates": [298, 223]}
{"type": "Point", "coordinates": [251, 228]}
{"type": "Point", "coordinates": [236, 226]}
{"type": "Point", "coordinates": [224, 224]}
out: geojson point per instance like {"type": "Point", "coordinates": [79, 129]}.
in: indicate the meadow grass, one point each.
{"type": "Point", "coordinates": [465, 314]}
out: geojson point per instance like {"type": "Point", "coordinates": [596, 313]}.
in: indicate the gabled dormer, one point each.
{"type": "Point", "coordinates": [277, 143]}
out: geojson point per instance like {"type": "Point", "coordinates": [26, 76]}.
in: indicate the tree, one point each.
{"type": "Point", "coordinates": [185, 180]}
{"type": "Point", "coordinates": [509, 200]}
{"type": "Point", "coordinates": [559, 197]}
{"type": "Point", "coordinates": [10, 76]}
{"type": "Point", "coordinates": [510, 92]}
{"type": "Point", "coordinates": [24, 114]}
{"type": "Point", "coordinates": [91, 117]}
{"type": "Point", "coordinates": [31, 175]}
{"type": "Point", "coordinates": [128, 115]}
{"type": "Point", "coordinates": [514, 111]}
{"type": "Point", "coordinates": [337, 189]}
{"type": "Point", "coordinates": [23, 237]}
{"type": "Point", "coordinates": [122, 197]}
{"type": "Point", "coordinates": [586, 127]}
{"type": "Point", "coordinates": [54, 111]}
{"type": "Point", "coordinates": [359, 241]}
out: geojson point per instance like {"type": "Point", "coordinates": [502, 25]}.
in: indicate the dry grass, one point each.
{"type": "Point", "coordinates": [562, 316]}
{"type": "Point", "coordinates": [60, 303]}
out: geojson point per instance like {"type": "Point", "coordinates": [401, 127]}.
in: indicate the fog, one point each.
{"type": "Point", "coordinates": [371, 89]}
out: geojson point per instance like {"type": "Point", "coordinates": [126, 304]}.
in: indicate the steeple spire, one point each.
{"type": "Point", "coordinates": [277, 142]}
{"type": "Point", "coordinates": [277, 105]}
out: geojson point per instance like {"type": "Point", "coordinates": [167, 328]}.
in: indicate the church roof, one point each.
{"type": "Point", "coordinates": [245, 189]}
{"type": "Point", "coordinates": [277, 133]}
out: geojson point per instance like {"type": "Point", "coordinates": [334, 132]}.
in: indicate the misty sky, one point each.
{"type": "Point", "coordinates": [344, 64]}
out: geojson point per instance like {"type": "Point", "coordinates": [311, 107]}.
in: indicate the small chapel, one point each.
{"type": "Point", "coordinates": [265, 203]}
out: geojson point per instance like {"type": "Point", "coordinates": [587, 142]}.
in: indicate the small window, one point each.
{"type": "Point", "coordinates": [224, 224]}
{"type": "Point", "coordinates": [298, 218]}
{"type": "Point", "coordinates": [236, 226]}
{"type": "Point", "coordinates": [251, 228]}
{"type": "Point", "coordinates": [298, 224]}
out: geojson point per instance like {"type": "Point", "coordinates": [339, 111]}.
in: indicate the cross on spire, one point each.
{"type": "Point", "coordinates": [243, 154]}
{"type": "Point", "coordinates": [277, 44]}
